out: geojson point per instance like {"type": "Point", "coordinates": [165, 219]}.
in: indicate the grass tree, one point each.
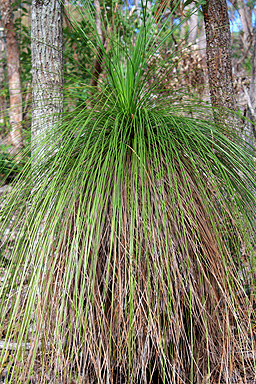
{"type": "Point", "coordinates": [133, 258]}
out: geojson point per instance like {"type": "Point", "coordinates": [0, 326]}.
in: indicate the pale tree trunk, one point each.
{"type": "Point", "coordinates": [202, 40]}
{"type": "Point", "coordinates": [193, 24]}
{"type": "Point", "coordinates": [249, 130]}
{"type": "Point", "coordinates": [245, 13]}
{"type": "Point", "coordinates": [253, 77]}
{"type": "Point", "coordinates": [218, 50]}
{"type": "Point", "coordinates": [47, 70]}
{"type": "Point", "coordinates": [137, 10]}
{"type": "Point", "coordinates": [183, 29]}
{"type": "Point", "coordinates": [98, 18]}
{"type": "Point", "coordinates": [2, 98]}
{"type": "Point", "coordinates": [98, 60]}
{"type": "Point", "coordinates": [13, 70]}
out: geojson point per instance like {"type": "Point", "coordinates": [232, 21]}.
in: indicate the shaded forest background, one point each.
{"type": "Point", "coordinates": [187, 69]}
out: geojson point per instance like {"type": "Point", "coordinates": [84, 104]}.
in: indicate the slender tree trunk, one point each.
{"type": "Point", "coordinates": [2, 76]}
{"type": "Point", "coordinates": [246, 19]}
{"type": "Point", "coordinates": [249, 130]}
{"type": "Point", "coordinates": [193, 24]}
{"type": "Point", "coordinates": [253, 77]}
{"type": "Point", "coordinates": [47, 68]}
{"type": "Point", "coordinates": [13, 69]}
{"type": "Point", "coordinates": [183, 29]}
{"type": "Point", "coordinates": [202, 40]}
{"type": "Point", "coordinates": [137, 10]}
{"type": "Point", "coordinates": [98, 18]}
{"type": "Point", "coordinates": [218, 50]}
{"type": "Point", "coordinates": [98, 61]}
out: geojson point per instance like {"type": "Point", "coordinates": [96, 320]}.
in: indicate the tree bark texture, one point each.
{"type": "Point", "coordinates": [13, 70]}
{"type": "Point", "coordinates": [218, 50]}
{"type": "Point", "coordinates": [47, 69]}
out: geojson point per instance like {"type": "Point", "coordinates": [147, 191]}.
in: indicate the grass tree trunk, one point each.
{"type": "Point", "coordinates": [218, 50]}
{"type": "Point", "coordinates": [13, 68]}
{"type": "Point", "coordinates": [47, 70]}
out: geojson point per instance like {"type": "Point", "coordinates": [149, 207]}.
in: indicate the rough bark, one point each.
{"type": "Point", "coordinates": [13, 70]}
{"type": "Point", "coordinates": [218, 50]}
{"type": "Point", "coordinates": [47, 69]}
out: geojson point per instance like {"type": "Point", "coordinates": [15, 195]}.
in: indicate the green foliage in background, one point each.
{"type": "Point", "coordinates": [10, 166]}
{"type": "Point", "coordinates": [21, 11]}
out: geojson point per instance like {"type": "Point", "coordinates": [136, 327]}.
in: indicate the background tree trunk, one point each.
{"type": "Point", "coordinates": [249, 129]}
{"type": "Point", "coordinates": [202, 39]}
{"type": "Point", "coordinates": [13, 69]}
{"type": "Point", "coordinates": [246, 19]}
{"type": "Point", "coordinates": [193, 24]}
{"type": "Point", "coordinates": [2, 76]}
{"type": "Point", "coordinates": [218, 50]}
{"type": "Point", "coordinates": [98, 61]}
{"type": "Point", "coordinates": [47, 68]}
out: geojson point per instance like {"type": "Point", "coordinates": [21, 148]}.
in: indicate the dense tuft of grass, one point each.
{"type": "Point", "coordinates": [134, 255]}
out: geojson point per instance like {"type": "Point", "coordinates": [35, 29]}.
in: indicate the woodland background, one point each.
{"type": "Point", "coordinates": [188, 69]}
